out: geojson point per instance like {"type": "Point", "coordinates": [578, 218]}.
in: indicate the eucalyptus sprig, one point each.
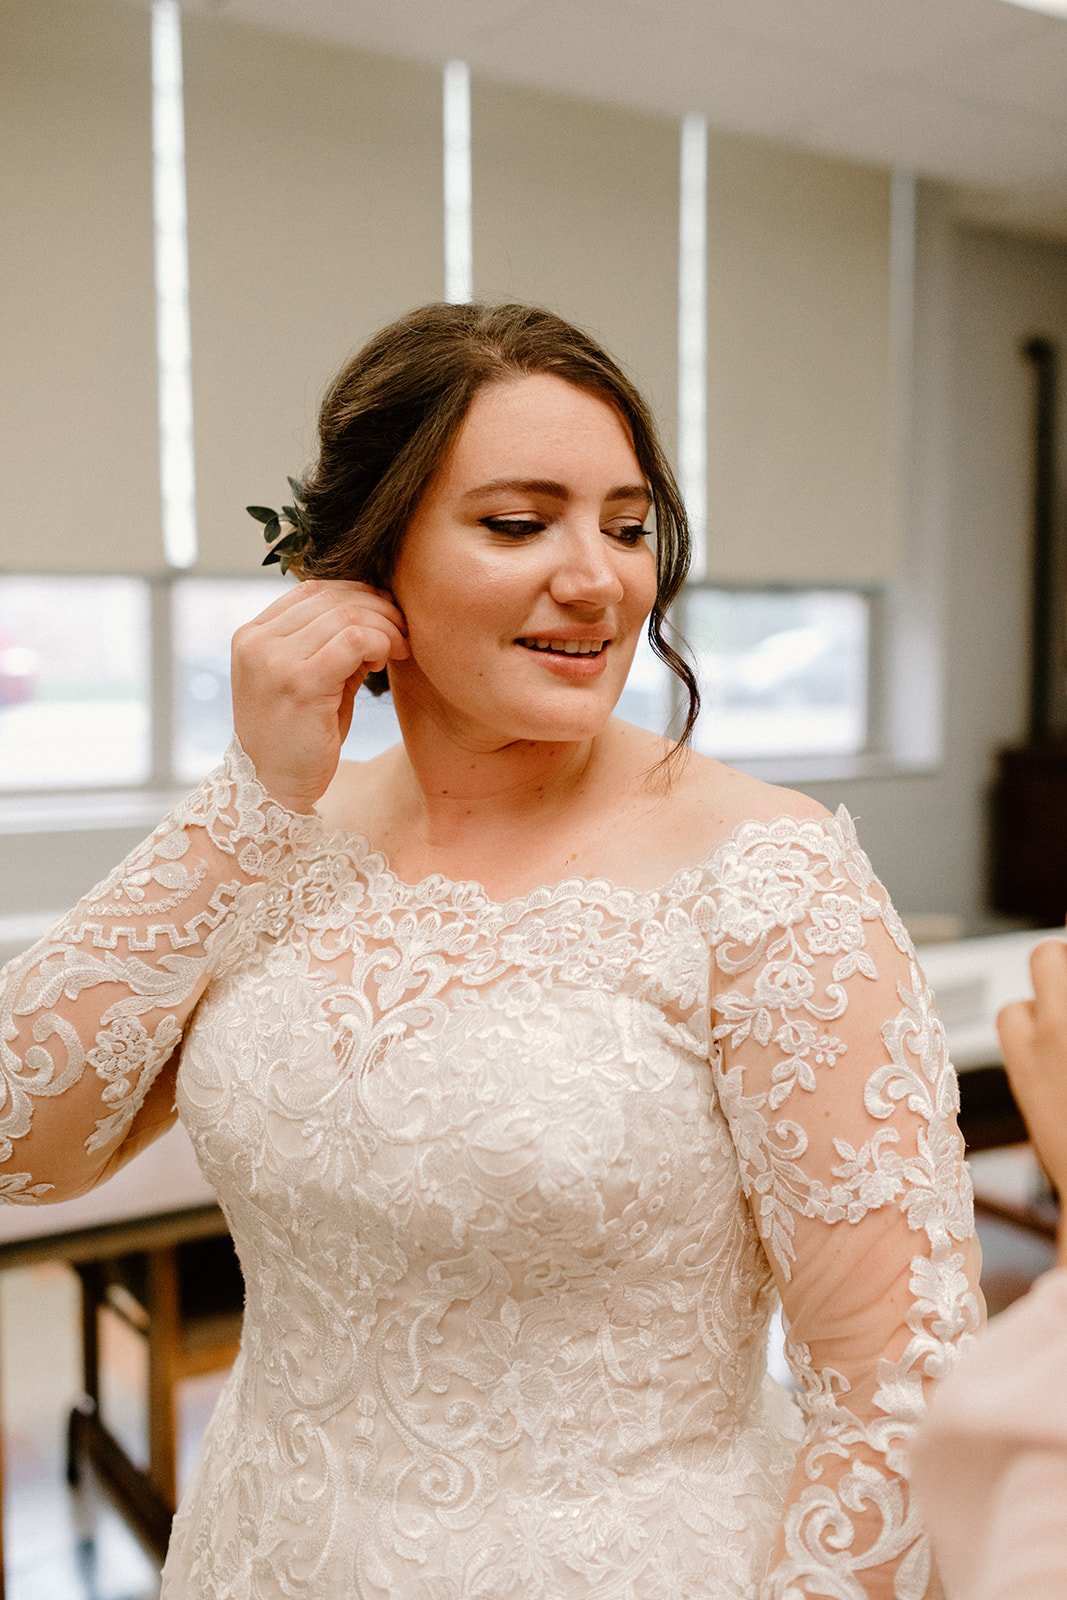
{"type": "Point", "coordinates": [290, 544]}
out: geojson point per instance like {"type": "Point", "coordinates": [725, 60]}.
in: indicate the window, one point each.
{"type": "Point", "coordinates": [782, 672]}
{"type": "Point", "coordinates": [204, 614]}
{"type": "Point", "coordinates": [75, 657]}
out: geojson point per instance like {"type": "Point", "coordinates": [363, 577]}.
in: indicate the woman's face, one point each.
{"type": "Point", "coordinates": [525, 574]}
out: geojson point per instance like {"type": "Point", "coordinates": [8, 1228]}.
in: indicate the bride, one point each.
{"type": "Point", "coordinates": [532, 1061]}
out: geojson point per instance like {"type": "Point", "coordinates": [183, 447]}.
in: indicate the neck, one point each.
{"type": "Point", "coordinates": [452, 787]}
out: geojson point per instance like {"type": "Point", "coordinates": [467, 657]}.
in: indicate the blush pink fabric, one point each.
{"type": "Point", "coordinates": [990, 1463]}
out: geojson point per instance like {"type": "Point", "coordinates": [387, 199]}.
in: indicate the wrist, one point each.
{"type": "Point", "coordinates": [245, 819]}
{"type": "Point", "coordinates": [299, 804]}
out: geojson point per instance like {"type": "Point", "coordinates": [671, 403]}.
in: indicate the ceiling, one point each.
{"type": "Point", "coordinates": [973, 92]}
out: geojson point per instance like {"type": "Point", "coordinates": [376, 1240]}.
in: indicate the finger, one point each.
{"type": "Point", "coordinates": [1015, 1030]}
{"type": "Point", "coordinates": [349, 655]}
{"type": "Point", "coordinates": [356, 599]}
{"type": "Point", "coordinates": [353, 625]}
{"type": "Point", "coordinates": [267, 656]}
{"type": "Point", "coordinates": [1048, 970]}
{"type": "Point", "coordinates": [367, 604]}
{"type": "Point", "coordinates": [316, 594]}
{"type": "Point", "coordinates": [373, 640]}
{"type": "Point", "coordinates": [347, 706]}
{"type": "Point", "coordinates": [363, 611]}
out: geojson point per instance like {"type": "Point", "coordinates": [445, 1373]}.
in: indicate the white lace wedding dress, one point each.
{"type": "Point", "coordinates": [513, 1213]}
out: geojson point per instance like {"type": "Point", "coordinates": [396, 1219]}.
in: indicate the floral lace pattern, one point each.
{"type": "Point", "coordinates": [108, 987]}
{"type": "Point", "coordinates": [515, 1189]}
{"type": "Point", "coordinates": [888, 1159]}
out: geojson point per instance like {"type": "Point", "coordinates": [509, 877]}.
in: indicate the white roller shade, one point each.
{"type": "Point", "coordinates": [315, 215]}
{"type": "Point", "coordinates": [79, 451]}
{"type": "Point", "coordinates": [801, 464]}
{"type": "Point", "coordinates": [576, 208]}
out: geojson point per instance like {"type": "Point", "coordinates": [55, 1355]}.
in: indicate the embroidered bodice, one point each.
{"type": "Point", "coordinates": [515, 1189]}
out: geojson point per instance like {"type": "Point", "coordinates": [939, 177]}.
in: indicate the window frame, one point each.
{"type": "Point", "coordinates": [17, 805]}
{"type": "Point", "coordinates": [815, 764]}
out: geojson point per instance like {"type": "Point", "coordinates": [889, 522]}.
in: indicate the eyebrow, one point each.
{"type": "Point", "coordinates": [557, 491]}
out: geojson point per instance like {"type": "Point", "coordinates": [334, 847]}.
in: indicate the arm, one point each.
{"type": "Point", "coordinates": [833, 1075]}
{"type": "Point", "coordinates": [990, 1463]}
{"type": "Point", "coordinates": [91, 1018]}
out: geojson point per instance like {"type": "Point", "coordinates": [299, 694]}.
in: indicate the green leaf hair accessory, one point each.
{"type": "Point", "coordinates": [288, 526]}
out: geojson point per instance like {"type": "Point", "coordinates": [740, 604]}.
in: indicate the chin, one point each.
{"type": "Point", "coordinates": [563, 716]}
{"type": "Point", "coordinates": [568, 725]}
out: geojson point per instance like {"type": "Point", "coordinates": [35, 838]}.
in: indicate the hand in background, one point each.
{"type": "Point", "coordinates": [295, 672]}
{"type": "Point", "coordinates": [1033, 1036]}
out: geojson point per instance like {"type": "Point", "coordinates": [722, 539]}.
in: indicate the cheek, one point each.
{"type": "Point", "coordinates": [644, 586]}
{"type": "Point", "coordinates": [488, 597]}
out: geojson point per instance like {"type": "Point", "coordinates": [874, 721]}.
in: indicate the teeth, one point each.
{"type": "Point", "coordinates": [570, 647]}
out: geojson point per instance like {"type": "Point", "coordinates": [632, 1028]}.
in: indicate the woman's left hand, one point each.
{"type": "Point", "coordinates": [1033, 1037]}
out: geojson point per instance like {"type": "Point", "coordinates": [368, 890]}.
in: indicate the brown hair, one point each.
{"type": "Point", "coordinates": [392, 413]}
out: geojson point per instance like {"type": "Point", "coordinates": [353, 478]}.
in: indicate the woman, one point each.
{"type": "Point", "coordinates": [530, 1069]}
{"type": "Point", "coordinates": [991, 1462]}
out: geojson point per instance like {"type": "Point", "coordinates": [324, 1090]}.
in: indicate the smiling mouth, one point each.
{"type": "Point", "coordinates": [566, 647]}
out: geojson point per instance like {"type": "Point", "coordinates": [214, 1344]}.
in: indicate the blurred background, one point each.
{"type": "Point", "coordinates": [817, 232]}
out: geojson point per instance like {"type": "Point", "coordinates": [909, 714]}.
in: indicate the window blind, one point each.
{"type": "Point", "coordinates": [78, 402]}
{"type": "Point", "coordinates": [315, 216]}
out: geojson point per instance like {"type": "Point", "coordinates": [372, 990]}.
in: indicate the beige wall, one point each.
{"type": "Point", "coordinates": [78, 434]}
{"type": "Point", "coordinates": [927, 834]}
{"type": "Point", "coordinates": [800, 459]}
{"type": "Point", "coordinates": [576, 207]}
{"type": "Point", "coordinates": [314, 194]}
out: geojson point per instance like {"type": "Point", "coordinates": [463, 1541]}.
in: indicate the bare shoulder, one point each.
{"type": "Point", "coordinates": [697, 803]}
{"type": "Point", "coordinates": [349, 802]}
{"type": "Point", "coordinates": [715, 799]}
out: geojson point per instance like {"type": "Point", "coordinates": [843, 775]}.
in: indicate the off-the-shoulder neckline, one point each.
{"type": "Point", "coordinates": [437, 888]}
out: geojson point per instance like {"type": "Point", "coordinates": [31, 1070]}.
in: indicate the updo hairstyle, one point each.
{"type": "Point", "coordinates": [392, 413]}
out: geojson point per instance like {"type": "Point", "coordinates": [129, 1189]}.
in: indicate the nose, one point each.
{"type": "Point", "coordinates": [585, 574]}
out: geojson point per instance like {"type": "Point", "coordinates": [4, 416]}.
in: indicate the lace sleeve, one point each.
{"type": "Point", "coordinates": [94, 1012]}
{"type": "Point", "coordinates": [833, 1075]}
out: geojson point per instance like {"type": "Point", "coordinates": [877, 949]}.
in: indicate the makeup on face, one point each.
{"type": "Point", "coordinates": [526, 574]}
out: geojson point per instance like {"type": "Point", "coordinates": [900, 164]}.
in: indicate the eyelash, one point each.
{"type": "Point", "coordinates": [516, 528]}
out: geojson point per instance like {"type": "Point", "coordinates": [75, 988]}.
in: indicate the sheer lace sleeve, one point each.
{"type": "Point", "coordinates": [93, 1014]}
{"type": "Point", "coordinates": [833, 1075]}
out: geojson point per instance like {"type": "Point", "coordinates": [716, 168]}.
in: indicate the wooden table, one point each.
{"type": "Point", "coordinates": [972, 979]}
{"type": "Point", "coordinates": [160, 1199]}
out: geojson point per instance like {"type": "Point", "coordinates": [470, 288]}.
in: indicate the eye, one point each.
{"type": "Point", "coordinates": [513, 527]}
{"type": "Point", "coordinates": [629, 533]}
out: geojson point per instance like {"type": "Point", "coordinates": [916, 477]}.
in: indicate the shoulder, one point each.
{"type": "Point", "coordinates": [778, 859]}
{"type": "Point", "coordinates": [356, 787]}
{"type": "Point", "coordinates": [703, 812]}
{"type": "Point", "coordinates": [713, 802]}
{"type": "Point", "coordinates": [709, 792]}
{"type": "Point", "coordinates": [733, 798]}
